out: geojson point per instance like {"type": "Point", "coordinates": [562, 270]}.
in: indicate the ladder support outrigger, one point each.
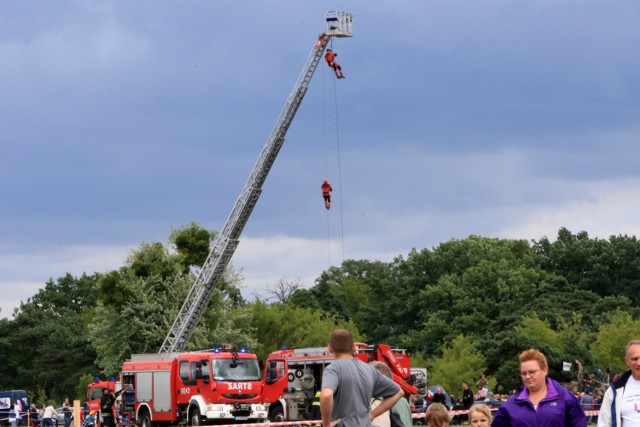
{"type": "Point", "coordinates": [194, 306]}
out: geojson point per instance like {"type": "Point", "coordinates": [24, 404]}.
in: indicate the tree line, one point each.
{"type": "Point", "coordinates": [463, 308]}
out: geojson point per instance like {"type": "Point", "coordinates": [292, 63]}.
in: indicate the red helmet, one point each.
{"type": "Point", "coordinates": [326, 181]}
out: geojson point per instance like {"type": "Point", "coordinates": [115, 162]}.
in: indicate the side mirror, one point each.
{"type": "Point", "coordinates": [272, 373]}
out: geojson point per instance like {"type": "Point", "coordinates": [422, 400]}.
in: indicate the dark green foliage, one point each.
{"type": "Point", "coordinates": [113, 290]}
{"type": "Point", "coordinates": [192, 242]}
{"type": "Point", "coordinates": [574, 298]}
{"type": "Point", "coordinates": [48, 338]}
{"type": "Point", "coordinates": [483, 288]}
{"type": "Point", "coordinates": [605, 267]}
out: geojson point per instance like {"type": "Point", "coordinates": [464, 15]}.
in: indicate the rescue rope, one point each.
{"type": "Point", "coordinates": [327, 160]}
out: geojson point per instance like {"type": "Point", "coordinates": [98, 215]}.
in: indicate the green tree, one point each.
{"type": "Point", "coordinates": [140, 325]}
{"type": "Point", "coordinates": [607, 268]}
{"type": "Point", "coordinates": [192, 243]}
{"type": "Point", "coordinates": [611, 341]}
{"type": "Point", "coordinates": [280, 325]}
{"type": "Point", "coordinates": [50, 347]}
{"type": "Point", "coordinates": [539, 330]}
{"type": "Point", "coordinates": [460, 362]}
{"type": "Point", "coordinates": [113, 289]}
{"type": "Point", "coordinates": [156, 285]}
{"type": "Point", "coordinates": [304, 298]}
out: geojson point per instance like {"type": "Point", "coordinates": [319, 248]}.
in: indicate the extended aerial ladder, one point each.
{"type": "Point", "coordinates": [338, 25]}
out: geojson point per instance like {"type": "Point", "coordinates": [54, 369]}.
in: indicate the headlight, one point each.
{"type": "Point", "coordinates": [217, 408]}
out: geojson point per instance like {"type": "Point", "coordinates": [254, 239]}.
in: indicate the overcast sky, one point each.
{"type": "Point", "coordinates": [122, 119]}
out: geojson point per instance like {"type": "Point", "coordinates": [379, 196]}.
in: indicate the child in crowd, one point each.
{"type": "Point", "coordinates": [437, 415]}
{"type": "Point", "coordinates": [480, 416]}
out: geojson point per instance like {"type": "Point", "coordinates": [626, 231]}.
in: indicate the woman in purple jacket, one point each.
{"type": "Point", "coordinates": [542, 402]}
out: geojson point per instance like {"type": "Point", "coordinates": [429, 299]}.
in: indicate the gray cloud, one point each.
{"type": "Point", "coordinates": [121, 120]}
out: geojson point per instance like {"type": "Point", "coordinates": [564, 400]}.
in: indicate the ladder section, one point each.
{"type": "Point", "coordinates": [226, 242]}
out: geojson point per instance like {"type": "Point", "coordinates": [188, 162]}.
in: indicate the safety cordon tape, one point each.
{"type": "Point", "coordinates": [466, 411]}
{"type": "Point", "coordinates": [267, 423]}
{"type": "Point", "coordinates": [319, 422]}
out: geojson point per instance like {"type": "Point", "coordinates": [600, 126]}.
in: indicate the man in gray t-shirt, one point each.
{"type": "Point", "coordinates": [348, 385]}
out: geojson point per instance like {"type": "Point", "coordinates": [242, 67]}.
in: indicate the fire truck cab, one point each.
{"type": "Point", "coordinates": [194, 387]}
{"type": "Point", "coordinates": [304, 368]}
{"type": "Point", "coordinates": [96, 389]}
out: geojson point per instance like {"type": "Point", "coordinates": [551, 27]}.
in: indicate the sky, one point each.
{"type": "Point", "coordinates": [120, 120]}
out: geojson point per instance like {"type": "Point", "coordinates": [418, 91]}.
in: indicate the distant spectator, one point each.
{"type": "Point", "coordinates": [49, 415]}
{"type": "Point", "coordinates": [482, 382]}
{"type": "Point", "coordinates": [597, 404]}
{"type": "Point", "coordinates": [439, 397]}
{"type": "Point", "coordinates": [402, 406]}
{"type": "Point", "coordinates": [467, 399]}
{"type": "Point", "coordinates": [14, 414]}
{"type": "Point", "coordinates": [66, 410]}
{"type": "Point", "coordinates": [480, 416]}
{"type": "Point", "coordinates": [41, 415]}
{"type": "Point", "coordinates": [437, 415]}
{"type": "Point", "coordinates": [34, 415]}
{"type": "Point", "coordinates": [580, 375]}
{"type": "Point", "coordinates": [586, 401]}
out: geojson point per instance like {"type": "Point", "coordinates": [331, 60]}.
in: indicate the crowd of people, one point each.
{"type": "Point", "coordinates": [354, 394]}
{"type": "Point", "coordinates": [357, 394]}
{"type": "Point", "coordinates": [47, 415]}
{"type": "Point", "coordinates": [589, 390]}
{"type": "Point", "coordinates": [43, 416]}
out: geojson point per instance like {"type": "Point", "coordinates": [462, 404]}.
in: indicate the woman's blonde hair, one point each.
{"type": "Point", "coordinates": [483, 409]}
{"type": "Point", "coordinates": [437, 414]}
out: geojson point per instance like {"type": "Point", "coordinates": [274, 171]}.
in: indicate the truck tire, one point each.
{"type": "Point", "coordinates": [145, 419]}
{"type": "Point", "coordinates": [194, 417]}
{"type": "Point", "coordinates": [276, 414]}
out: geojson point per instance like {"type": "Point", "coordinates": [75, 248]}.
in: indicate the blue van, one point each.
{"type": "Point", "coordinates": [6, 401]}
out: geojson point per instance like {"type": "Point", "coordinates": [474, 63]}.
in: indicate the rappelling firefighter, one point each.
{"type": "Point", "coordinates": [326, 193]}
{"type": "Point", "coordinates": [330, 57]}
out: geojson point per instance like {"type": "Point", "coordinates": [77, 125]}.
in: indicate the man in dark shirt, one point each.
{"type": "Point", "coordinates": [439, 397]}
{"type": "Point", "coordinates": [467, 396]}
{"type": "Point", "coordinates": [107, 400]}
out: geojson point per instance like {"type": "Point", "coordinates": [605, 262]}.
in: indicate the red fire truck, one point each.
{"type": "Point", "coordinates": [198, 387]}
{"type": "Point", "coordinates": [304, 368]}
{"type": "Point", "coordinates": [95, 389]}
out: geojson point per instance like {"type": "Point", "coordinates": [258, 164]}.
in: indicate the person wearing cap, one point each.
{"type": "Point", "coordinates": [330, 57]}
{"type": "Point", "coordinates": [107, 400]}
{"type": "Point", "coordinates": [326, 193]}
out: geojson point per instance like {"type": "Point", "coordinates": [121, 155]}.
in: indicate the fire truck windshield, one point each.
{"type": "Point", "coordinates": [95, 393]}
{"type": "Point", "coordinates": [235, 370]}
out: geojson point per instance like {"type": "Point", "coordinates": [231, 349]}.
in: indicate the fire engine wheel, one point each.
{"type": "Point", "coordinates": [145, 420]}
{"type": "Point", "coordinates": [418, 421]}
{"type": "Point", "coordinates": [276, 415]}
{"type": "Point", "coordinates": [194, 417]}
